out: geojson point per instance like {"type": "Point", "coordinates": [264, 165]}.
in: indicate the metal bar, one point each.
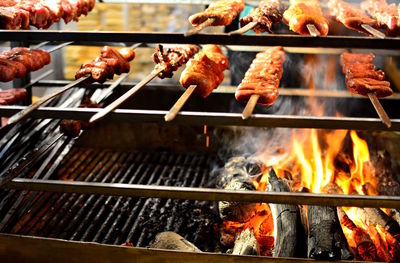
{"type": "Point", "coordinates": [91, 208]}
{"type": "Point", "coordinates": [222, 89]}
{"type": "Point", "coordinates": [286, 40]}
{"type": "Point", "coordinates": [213, 118]}
{"type": "Point", "coordinates": [207, 194]}
{"type": "Point", "coordinates": [18, 168]}
{"type": "Point", "coordinates": [37, 249]}
{"type": "Point", "coordinates": [59, 46]}
{"type": "Point", "coordinates": [28, 110]}
{"type": "Point", "coordinates": [35, 81]}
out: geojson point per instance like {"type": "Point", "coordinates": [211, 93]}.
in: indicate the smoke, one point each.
{"type": "Point", "coordinates": [270, 145]}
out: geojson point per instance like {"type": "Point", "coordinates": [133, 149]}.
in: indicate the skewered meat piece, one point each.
{"type": "Point", "coordinates": [13, 18]}
{"type": "Point", "coordinates": [263, 77]}
{"type": "Point", "coordinates": [205, 70]}
{"type": "Point", "coordinates": [223, 12]}
{"type": "Point", "coordinates": [73, 127]}
{"type": "Point", "coordinates": [363, 86]}
{"type": "Point", "coordinates": [350, 16]}
{"type": "Point", "coordinates": [266, 14]}
{"type": "Point", "coordinates": [303, 12]}
{"type": "Point", "coordinates": [115, 60]}
{"type": "Point", "coordinates": [172, 58]}
{"type": "Point", "coordinates": [362, 77]}
{"type": "Point", "coordinates": [12, 96]}
{"type": "Point", "coordinates": [16, 14]}
{"type": "Point", "coordinates": [386, 15]}
{"type": "Point", "coordinates": [110, 62]}
{"type": "Point", "coordinates": [20, 60]}
{"type": "Point", "coordinates": [33, 59]}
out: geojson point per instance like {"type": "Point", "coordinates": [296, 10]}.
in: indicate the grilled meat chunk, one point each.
{"type": "Point", "coordinates": [303, 12]}
{"type": "Point", "coordinates": [223, 12]}
{"type": "Point", "coordinates": [266, 14]}
{"type": "Point", "coordinates": [263, 77]}
{"type": "Point", "coordinates": [205, 70]}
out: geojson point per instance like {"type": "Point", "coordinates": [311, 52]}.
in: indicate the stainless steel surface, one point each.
{"type": "Point", "coordinates": [212, 118]}
{"type": "Point", "coordinates": [207, 194]}
{"type": "Point", "coordinates": [285, 40]}
{"type": "Point", "coordinates": [54, 250]}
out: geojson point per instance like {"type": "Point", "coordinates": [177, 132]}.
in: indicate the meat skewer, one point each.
{"type": "Point", "coordinates": [84, 74]}
{"type": "Point", "coordinates": [219, 13]}
{"type": "Point", "coordinates": [386, 15]}
{"type": "Point", "coordinates": [261, 81]}
{"type": "Point", "coordinates": [20, 60]}
{"type": "Point", "coordinates": [167, 61]}
{"type": "Point", "coordinates": [305, 17]}
{"type": "Point", "coordinates": [261, 19]}
{"type": "Point", "coordinates": [362, 78]}
{"type": "Point", "coordinates": [202, 75]}
{"type": "Point", "coordinates": [20, 14]}
{"type": "Point", "coordinates": [353, 18]}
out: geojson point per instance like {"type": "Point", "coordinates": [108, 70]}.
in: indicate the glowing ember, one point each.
{"type": "Point", "coordinates": [311, 162]}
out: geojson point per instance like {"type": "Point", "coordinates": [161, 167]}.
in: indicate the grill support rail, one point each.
{"type": "Point", "coordinates": [212, 118]}
{"type": "Point", "coordinates": [207, 194]}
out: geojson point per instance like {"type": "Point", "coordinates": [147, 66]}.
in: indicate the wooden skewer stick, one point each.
{"type": "Point", "coordinates": [28, 110]}
{"type": "Point", "coordinates": [313, 30]}
{"type": "Point", "coordinates": [101, 114]}
{"type": "Point", "coordinates": [248, 110]}
{"type": "Point", "coordinates": [200, 27]}
{"type": "Point", "coordinates": [244, 29]}
{"type": "Point", "coordinates": [379, 109]}
{"type": "Point", "coordinates": [373, 31]}
{"type": "Point", "coordinates": [179, 104]}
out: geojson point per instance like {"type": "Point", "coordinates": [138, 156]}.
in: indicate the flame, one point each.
{"type": "Point", "coordinates": [317, 161]}
{"type": "Point", "coordinates": [261, 224]}
{"type": "Point", "coordinates": [314, 167]}
{"type": "Point", "coordinates": [359, 176]}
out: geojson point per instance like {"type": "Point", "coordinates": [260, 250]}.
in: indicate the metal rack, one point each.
{"type": "Point", "coordinates": [191, 118]}
{"type": "Point", "coordinates": [287, 40]}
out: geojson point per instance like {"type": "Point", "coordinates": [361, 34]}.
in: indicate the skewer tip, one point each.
{"type": "Point", "coordinates": [251, 103]}
{"type": "Point", "coordinates": [168, 118]}
{"type": "Point", "coordinates": [244, 29]}
{"type": "Point", "coordinates": [313, 30]}
{"type": "Point", "coordinates": [200, 27]}
{"type": "Point", "coordinates": [373, 31]}
{"type": "Point", "coordinates": [380, 110]}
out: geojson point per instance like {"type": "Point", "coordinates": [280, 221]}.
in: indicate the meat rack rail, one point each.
{"type": "Point", "coordinates": [286, 40]}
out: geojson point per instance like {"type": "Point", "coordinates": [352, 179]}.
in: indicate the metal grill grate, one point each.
{"type": "Point", "coordinates": [110, 219]}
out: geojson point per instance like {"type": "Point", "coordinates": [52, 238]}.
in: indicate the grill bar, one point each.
{"type": "Point", "coordinates": [216, 38]}
{"type": "Point", "coordinates": [204, 193]}
{"type": "Point", "coordinates": [38, 248]}
{"type": "Point", "coordinates": [215, 118]}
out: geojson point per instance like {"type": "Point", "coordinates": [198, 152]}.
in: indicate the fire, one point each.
{"type": "Point", "coordinates": [360, 177]}
{"type": "Point", "coordinates": [262, 226]}
{"type": "Point", "coordinates": [313, 166]}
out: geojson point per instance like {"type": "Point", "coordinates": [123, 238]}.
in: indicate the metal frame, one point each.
{"type": "Point", "coordinates": [212, 118]}
{"type": "Point", "coordinates": [38, 249]}
{"type": "Point", "coordinates": [205, 194]}
{"type": "Point", "coordinates": [222, 89]}
{"type": "Point", "coordinates": [359, 42]}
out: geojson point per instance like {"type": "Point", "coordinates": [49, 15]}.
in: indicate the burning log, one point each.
{"type": "Point", "coordinates": [173, 241]}
{"type": "Point", "coordinates": [395, 214]}
{"type": "Point", "coordinates": [364, 246]}
{"type": "Point", "coordinates": [237, 211]}
{"type": "Point", "coordinates": [375, 217]}
{"type": "Point", "coordinates": [286, 219]}
{"type": "Point", "coordinates": [238, 174]}
{"type": "Point", "coordinates": [326, 239]}
{"type": "Point", "coordinates": [246, 244]}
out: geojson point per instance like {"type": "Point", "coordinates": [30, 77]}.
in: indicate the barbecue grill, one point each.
{"type": "Point", "coordinates": [78, 200]}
